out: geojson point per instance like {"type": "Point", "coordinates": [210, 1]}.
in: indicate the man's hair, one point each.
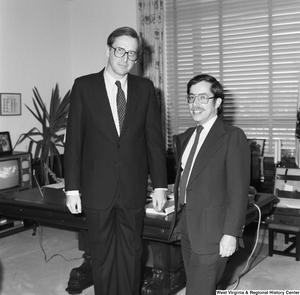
{"type": "Point", "coordinates": [124, 31]}
{"type": "Point", "coordinates": [216, 87]}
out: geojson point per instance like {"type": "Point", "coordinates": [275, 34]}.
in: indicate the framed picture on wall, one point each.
{"type": "Point", "coordinates": [5, 143]}
{"type": "Point", "coordinates": [10, 104]}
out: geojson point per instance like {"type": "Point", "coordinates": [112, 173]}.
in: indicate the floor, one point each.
{"type": "Point", "coordinates": [262, 272]}
{"type": "Point", "coordinates": [41, 264]}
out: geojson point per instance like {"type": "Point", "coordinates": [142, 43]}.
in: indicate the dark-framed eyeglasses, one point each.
{"type": "Point", "coordinates": [120, 52]}
{"type": "Point", "coordinates": [203, 98]}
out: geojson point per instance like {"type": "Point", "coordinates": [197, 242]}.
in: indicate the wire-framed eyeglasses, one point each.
{"type": "Point", "coordinates": [203, 98]}
{"type": "Point", "coordinates": [120, 52]}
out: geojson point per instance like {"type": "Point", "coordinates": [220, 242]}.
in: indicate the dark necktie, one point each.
{"type": "Point", "coordinates": [121, 104]}
{"type": "Point", "coordinates": [187, 168]}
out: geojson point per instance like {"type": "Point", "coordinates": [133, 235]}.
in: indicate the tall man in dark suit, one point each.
{"type": "Point", "coordinates": [113, 140]}
{"type": "Point", "coordinates": [212, 187]}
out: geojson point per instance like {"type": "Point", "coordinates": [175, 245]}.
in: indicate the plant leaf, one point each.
{"type": "Point", "coordinates": [52, 122]}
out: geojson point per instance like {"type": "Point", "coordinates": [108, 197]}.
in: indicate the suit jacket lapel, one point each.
{"type": "Point", "coordinates": [132, 100]}
{"type": "Point", "coordinates": [189, 133]}
{"type": "Point", "coordinates": [184, 139]}
{"type": "Point", "coordinates": [209, 147]}
{"type": "Point", "coordinates": [102, 103]}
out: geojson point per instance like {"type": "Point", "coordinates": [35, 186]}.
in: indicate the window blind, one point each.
{"type": "Point", "coordinates": [252, 48]}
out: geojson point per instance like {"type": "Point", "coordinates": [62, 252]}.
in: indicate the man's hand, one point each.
{"type": "Point", "coordinates": [159, 199]}
{"type": "Point", "coordinates": [73, 202]}
{"type": "Point", "coordinates": [227, 245]}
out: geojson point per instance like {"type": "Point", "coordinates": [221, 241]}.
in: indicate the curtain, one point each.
{"type": "Point", "coordinates": [252, 48]}
{"type": "Point", "coordinates": [151, 14]}
{"type": "Point", "coordinates": [297, 134]}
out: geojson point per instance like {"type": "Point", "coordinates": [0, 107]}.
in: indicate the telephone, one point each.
{"type": "Point", "coordinates": [252, 191]}
{"type": "Point", "coordinates": [252, 195]}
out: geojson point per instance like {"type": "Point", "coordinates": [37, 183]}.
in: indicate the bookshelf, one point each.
{"type": "Point", "coordinates": [10, 226]}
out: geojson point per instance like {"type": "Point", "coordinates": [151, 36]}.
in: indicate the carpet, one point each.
{"type": "Point", "coordinates": [24, 271]}
{"type": "Point", "coordinates": [26, 268]}
{"type": "Point", "coordinates": [238, 262]}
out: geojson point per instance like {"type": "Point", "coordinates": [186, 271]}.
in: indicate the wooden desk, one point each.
{"type": "Point", "coordinates": [286, 211]}
{"type": "Point", "coordinates": [166, 276]}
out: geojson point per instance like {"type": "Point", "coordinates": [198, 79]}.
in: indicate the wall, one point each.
{"type": "Point", "coordinates": [91, 23]}
{"type": "Point", "coordinates": [47, 42]}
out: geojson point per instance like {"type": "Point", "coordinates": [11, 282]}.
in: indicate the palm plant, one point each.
{"type": "Point", "coordinates": [49, 139]}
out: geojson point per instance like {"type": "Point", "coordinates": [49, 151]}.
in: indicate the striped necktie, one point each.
{"type": "Point", "coordinates": [121, 104]}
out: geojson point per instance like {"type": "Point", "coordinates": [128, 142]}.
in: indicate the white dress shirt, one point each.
{"type": "Point", "coordinates": [206, 128]}
{"type": "Point", "coordinates": [112, 90]}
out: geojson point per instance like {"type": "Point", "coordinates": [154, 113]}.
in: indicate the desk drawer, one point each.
{"type": "Point", "coordinates": [287, 211]}
{"type": "Point", "coordinates": [156, 233]}
{"type": "Point", "coordinates": [286, 219]}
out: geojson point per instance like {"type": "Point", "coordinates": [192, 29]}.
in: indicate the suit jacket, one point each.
{"type": "Point", "coordinates": [217, 191]}
{"type": "Point", "coordinates": [97, 159]}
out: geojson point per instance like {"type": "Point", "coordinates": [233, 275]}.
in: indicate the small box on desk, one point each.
{"type": "Point", "coordinates": [287, 183]}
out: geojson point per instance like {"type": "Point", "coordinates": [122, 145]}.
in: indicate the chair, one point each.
{"type": "Point", "coordinates": [287, 230]}
{"type": "Point", "coordinates": [285, 220]}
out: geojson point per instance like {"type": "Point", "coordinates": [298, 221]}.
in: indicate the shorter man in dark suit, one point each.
{"type": "Point", "coordinates": [212, 185]}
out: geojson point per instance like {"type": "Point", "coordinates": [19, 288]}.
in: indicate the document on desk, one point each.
{"type": "Point", "coordinates": [168, 209]}
{"type": "Point", "coordinates": [58, 185]}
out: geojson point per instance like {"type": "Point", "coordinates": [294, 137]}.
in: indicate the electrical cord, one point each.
{"type": "Point", "coordinates": [55, 255]}
{"type": "Point", "coordinates": [255, 245]}
{"type": "Point", "coordinates": [41, 232]}
{"type": "Point", "coordinates": [39, 187]}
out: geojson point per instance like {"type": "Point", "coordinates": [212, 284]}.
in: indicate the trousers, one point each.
{"type": "Point", "coordinates": [203, 271]}
{"type": "Point", "coordinates": [116, 248]}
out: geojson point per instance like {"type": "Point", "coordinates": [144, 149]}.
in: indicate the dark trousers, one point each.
{"type": "Point", "coordinates": [204, 272]}
{"type": "Point", "coordinates": [116, 248]}
{"type": "Point", "coordinates": [83, 241]}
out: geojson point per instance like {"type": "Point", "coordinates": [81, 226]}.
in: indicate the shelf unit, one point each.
{"type": "Point", "coordinates": [10, 226]}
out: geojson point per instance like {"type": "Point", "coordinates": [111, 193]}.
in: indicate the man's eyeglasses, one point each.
{"type": "Point", "coordinates": [203, 98]}
{"type": "Point", "coordinates": [120, 52]}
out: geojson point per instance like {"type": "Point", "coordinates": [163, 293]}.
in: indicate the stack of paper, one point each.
{"type": "Point", "coordinates": [168, 209]}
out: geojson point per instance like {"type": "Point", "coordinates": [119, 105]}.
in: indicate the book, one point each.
{"type": "Point", "coordinates": [168, 208]}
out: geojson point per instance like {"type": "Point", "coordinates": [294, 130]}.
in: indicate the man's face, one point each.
{"type": "Point", "coordinates": [118, 67]}
{"type": "Point", "coordinates": [202, 113]}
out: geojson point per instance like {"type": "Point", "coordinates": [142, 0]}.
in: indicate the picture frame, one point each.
{"type": "Point", "coordinates": [10, 104]}
{"type": "Point", "coordinates": [5, 143]}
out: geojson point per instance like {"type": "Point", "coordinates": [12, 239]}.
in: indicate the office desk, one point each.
{"type": "Point", "coordinates": [286, 211]}
{"type": "Point", "coordinates": [166, 276]}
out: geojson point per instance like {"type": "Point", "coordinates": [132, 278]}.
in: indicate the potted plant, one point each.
{"type": "Point", "coordinates": [49, 138]}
